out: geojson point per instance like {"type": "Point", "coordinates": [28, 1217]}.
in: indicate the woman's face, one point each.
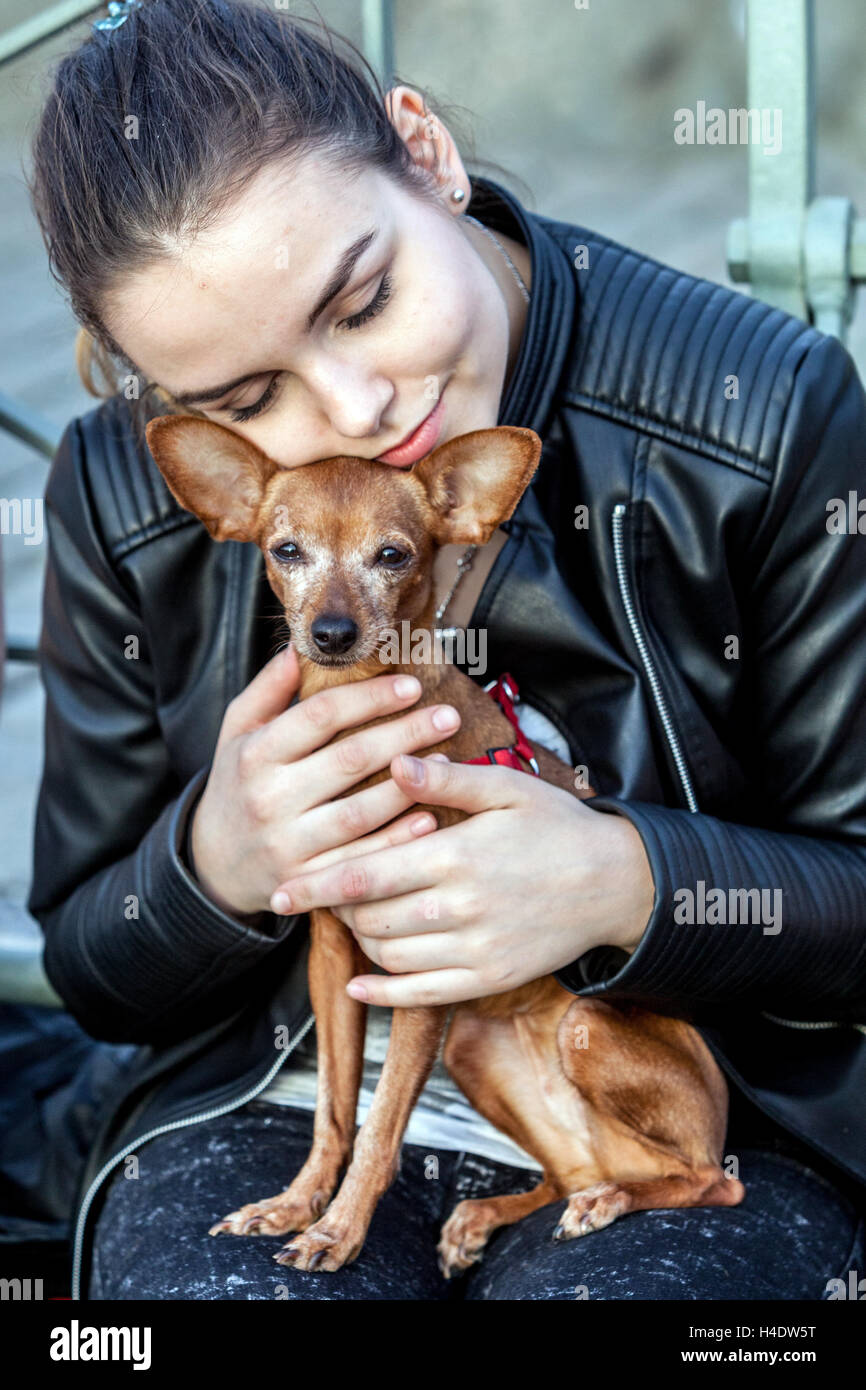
{"type": "Point", "coordinates": [419, 321]}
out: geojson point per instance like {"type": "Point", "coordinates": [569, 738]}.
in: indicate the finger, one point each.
{"type": "Point", "coordinates": [327, 773]}
{"type": "Point", "coordinates": [409, 827]}
{"type": "Point", "coordinates": [268, 694]}
{"type": "Point", "coordinates": [481, 787]}
{"type": "Point", "coordinates": [422, 913]}
{"type": "Point", "coordinates": [450, 986]}
{"type": "Point", "coordinates": [403, 869]}
{"type": "Point", "coordinates": [402, 946]}
{"type": "Point", "coordinates": [313, 722]}
{"type": "Point", "coordinates": [338, 826]}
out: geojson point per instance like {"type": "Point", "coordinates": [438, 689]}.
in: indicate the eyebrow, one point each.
{"type": "Point", "coordinates": [338, 282]}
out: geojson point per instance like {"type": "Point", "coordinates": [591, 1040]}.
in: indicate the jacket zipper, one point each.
{"type": "Point", "coordinates": [617, 520]}
{"type": "Point", "coordinates": [212, 1114]}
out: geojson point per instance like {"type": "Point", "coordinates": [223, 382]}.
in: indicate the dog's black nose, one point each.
{"type": "Point", "coordinates": [332, 634]}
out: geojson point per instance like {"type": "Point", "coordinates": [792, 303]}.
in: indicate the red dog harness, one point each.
{"type": "Point", "coordinates": [505, 691]}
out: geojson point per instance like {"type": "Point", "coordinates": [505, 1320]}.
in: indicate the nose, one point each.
{"type": "Point", "coordinates": [352, 400]}
{"type": "Point", "coordinates": [333, 634]}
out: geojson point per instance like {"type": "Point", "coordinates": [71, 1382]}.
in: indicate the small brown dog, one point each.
{"type": "Point", "coordinates": [632, 1122]}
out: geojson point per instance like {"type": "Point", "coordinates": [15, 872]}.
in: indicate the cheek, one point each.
{"type": "Point", "coordinates": [376, 595]}
{"type": "Point", "coordinates": [436, 322]}
{"type": "Point", "coordinates": [291, 586]}
{"type": "Point", "coordinates": [371, 594]}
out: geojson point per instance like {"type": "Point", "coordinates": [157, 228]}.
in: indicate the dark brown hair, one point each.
{"type": "Point", "coordinates": [218, 89]}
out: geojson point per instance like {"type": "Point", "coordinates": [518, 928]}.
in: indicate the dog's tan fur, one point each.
{"type": "Point", "coordinates": [636, 1120]}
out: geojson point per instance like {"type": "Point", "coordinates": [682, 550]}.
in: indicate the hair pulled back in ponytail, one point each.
{"type": "Point", "coordinates": [150, 129]}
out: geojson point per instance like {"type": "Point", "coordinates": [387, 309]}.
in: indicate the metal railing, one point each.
{"type": "Point", "coordinates": [804, 254]}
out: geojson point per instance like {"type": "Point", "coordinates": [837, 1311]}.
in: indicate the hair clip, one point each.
{"type": "Point", "coordinates": [118, 11]}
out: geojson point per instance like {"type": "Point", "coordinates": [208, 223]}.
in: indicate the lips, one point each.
{"type": "Point", "coordinates": [420, 442]}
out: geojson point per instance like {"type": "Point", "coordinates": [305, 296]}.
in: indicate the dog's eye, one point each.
{"type": "Point", "coordinates": [391, 556]}
{"type": "Point", "coordinates": [287, 551]}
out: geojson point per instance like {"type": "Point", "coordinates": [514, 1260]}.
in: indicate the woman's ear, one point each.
{"type": "Point", "coordinates": [474, 482]}
{"type": "Point", "coordinates": [429, 142]}
{"type": "Point", "coordinates": [212, 472]}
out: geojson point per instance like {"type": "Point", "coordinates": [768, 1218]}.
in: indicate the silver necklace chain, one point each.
{"type": "Point", "coordinates": [521, 283]}
{"type": "Point", "coordinates": [464, 564]}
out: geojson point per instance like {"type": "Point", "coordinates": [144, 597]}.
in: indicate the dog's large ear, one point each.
{"type": "Point", "coordinates": [475, 481]}
{"type": "Point", "coordinates": [212, 472]}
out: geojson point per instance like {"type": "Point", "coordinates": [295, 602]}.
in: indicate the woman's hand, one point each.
{"type": "Point", "coordinates": [268, 810]}
{"type": "Point", "coordinates": [533, 879]}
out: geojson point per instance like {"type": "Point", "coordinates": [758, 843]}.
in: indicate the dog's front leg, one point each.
{"type": "Point", "coordinates": [336, 1239]}
{"type": "Point", "coordinates": [340, 1025]}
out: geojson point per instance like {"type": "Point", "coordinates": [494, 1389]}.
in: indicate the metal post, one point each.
{"type": "Point", "coordinates": [40, 26]}
{"type": "Point", "coordinates": [780, 37]}
{"type": "Point", "coordinates": [803, 254]}
{"type": "Point", "coordinates": [29, 426]}
{"type": "Point", "coordinates": [377, 17]}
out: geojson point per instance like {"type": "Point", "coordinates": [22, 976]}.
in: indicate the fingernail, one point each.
{"type": "Point", "coordinates": [412, 769]}
{"type": "Point", "coordinates": [438, 758]}
{"type": "Point", "coordinates": [446, 718]}
{"type": "Point", "coordinates": [404, 686]}
{"type": "Point", "coordinates": [357, 991]}
{"type": "Point", "coordinates": [281, 902]}
{"type": "Point", "coordinates": [422, 823]}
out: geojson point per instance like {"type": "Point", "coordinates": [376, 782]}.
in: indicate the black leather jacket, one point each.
{"type": "Point", "coordinates": [705, 432]}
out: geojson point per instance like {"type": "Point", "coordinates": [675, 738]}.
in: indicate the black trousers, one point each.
{"type": "Point", "coordinates": [794, 1232]}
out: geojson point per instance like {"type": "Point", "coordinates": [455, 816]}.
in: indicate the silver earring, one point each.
{"type": "Point", "coordinates": [458, 195]}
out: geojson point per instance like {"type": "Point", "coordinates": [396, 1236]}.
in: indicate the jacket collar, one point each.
{"type": "Point", "coordinates": [550, 319]}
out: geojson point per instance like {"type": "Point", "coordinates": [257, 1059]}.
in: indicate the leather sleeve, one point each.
{"type": "Point", "coordinates": [133, 946]}
{"type": "Point", "coordinates": [804, 690]}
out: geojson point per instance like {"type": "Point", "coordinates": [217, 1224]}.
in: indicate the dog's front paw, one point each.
{"type": "Point", "coordinates": [328, 1245]}
{"type": "Point", "coordinates": [591, 1209]}
{"type": "Point", "coordinates": [464, 1236]}
{"type": "Point", "coordinates": [272, 1216]}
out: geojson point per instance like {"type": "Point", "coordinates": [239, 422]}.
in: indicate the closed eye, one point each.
{"type": "Point", "coordinates": [376, 305]}
{"type": "Point", "coordinates": [248, 411]}
{"type": "Point", "coordinates": [370, 311]}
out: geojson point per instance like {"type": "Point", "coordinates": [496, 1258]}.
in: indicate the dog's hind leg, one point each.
{"type": "Point", "coordinates": [623, 1110]}
{"type": "Point", "coordinates": [472, 1222]}
{"type": "Point", "coordinates": [660, 1103]}
{"type": "Point", "coordinates": [506, 1064]}
{"type": "Point", "coordinates": [340, 1029]}
{"type": "Point", "coordinates": [597, 1206]}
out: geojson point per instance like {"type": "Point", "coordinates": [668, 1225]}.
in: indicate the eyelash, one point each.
{"type": "Point", "coordinates": [376, 305]}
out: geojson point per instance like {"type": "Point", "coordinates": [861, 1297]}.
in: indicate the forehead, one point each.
{"type": "Point", "coordinates": [342, 500]}
{"type": "Point", "coordinates": [256, 270]}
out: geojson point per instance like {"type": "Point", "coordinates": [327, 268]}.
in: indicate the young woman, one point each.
{"type": "Point", "coordinates": [256, 233]}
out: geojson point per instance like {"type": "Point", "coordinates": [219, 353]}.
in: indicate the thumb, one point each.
{"type": "Point", "coordinates": [268, 694]}
{"type": "Point", "coordinates": [464, 786]}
